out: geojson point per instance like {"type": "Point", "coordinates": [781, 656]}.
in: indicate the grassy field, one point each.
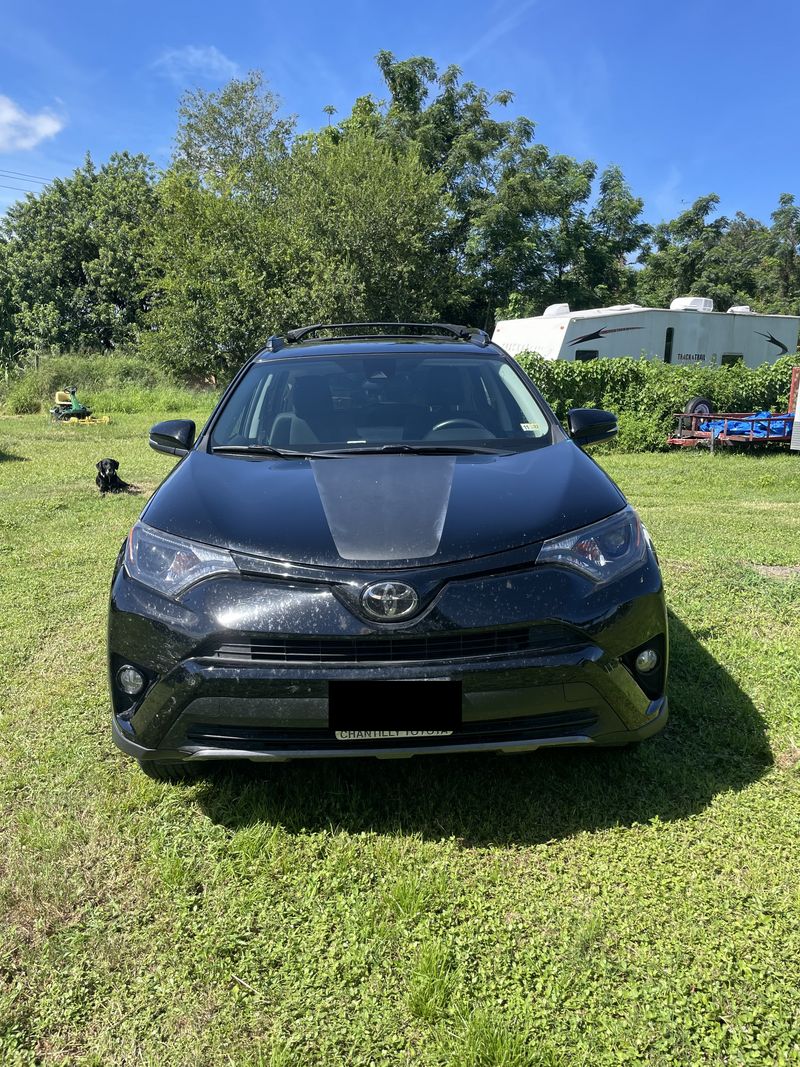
{"type": "Point", "coordinates": [556, 908]}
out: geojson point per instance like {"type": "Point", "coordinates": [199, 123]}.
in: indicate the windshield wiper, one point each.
{"type": "Point", "coordinates": [411, 450]}
{"type": "Point", "coordinates": [399, 449]}
{"type": "Point", "coordinates": [260, 450]}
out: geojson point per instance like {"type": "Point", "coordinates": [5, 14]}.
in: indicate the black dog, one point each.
{"type": "Point", "coordinates": [108, 481]}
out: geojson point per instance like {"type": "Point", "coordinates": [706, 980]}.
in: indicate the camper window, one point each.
{"type": "Point", "coordinates": [586, 353]}
{"type": "Point", "coordinates": [730, 359]}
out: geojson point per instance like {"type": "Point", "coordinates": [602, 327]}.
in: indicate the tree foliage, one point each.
{"type": "Point", "coordinates": [220, 265]}
{"type": "Point", "coordinates": [230, 138]}
{"type": "Point", "coordinates": [434, 202]}
{"type": "Point", "coordinates": [519, 230]}
{"type": "Point", "coordinates": [79, 256]}
{"type": "Point", "coordinates": [8, 343]}
{"type": "Point", "coordinates": [364, 225]}
{"type": "Point", "coordinates": [349, 234]}
{"type": "Point", "coordinates": [733, 261]}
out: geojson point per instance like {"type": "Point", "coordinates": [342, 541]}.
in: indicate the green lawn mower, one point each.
{"type": "Point", "coordinates": [69, 409]}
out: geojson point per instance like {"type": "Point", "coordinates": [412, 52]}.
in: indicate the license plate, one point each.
{"type": "Point", "coordinates": [373, 710]}
{"type": "Point", "coordinates": [387, 735]}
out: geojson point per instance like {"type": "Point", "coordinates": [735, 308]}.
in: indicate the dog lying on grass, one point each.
{"type": "Point", "coordinates": [108, 481]}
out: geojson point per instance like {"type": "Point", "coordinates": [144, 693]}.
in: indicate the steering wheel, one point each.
{"type": "Point", "coordinates": [456, 424]}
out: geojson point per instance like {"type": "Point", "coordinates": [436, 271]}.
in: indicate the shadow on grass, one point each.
{"type": "Point", "coordinates": [10, 456]}
{"type": "Point", "coordinates": [714, 742]}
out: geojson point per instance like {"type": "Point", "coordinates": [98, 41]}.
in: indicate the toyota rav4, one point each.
{"type": "Point", "coordinates": [383, 543]}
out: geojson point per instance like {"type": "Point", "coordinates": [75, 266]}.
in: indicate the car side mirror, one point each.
{"type": "Point", "coordinates": [176, 436]}
{"type": "Point", "coordinates": [589, 425]}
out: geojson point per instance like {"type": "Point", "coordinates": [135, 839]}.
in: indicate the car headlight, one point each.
{"type": "Point", "coordinates": [603, 551]}
{"type": "Point", "coordinates": [170, 565]}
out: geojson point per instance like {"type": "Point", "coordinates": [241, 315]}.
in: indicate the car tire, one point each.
{"type": "Point", "coordinates": [169, 772]}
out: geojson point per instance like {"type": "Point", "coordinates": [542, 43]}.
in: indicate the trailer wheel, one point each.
{"type": "Point", "coordinates": [698, 405]}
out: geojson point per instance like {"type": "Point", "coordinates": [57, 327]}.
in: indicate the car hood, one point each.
{"type": "Point", "coordinates": [384, 510]}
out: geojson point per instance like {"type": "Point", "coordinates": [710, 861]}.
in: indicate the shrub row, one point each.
{"type": "Point", "coordinates": [646, 394]}
{"type": "Point", "coordinates": [643, 393]}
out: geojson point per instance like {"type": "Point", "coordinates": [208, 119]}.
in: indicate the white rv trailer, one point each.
{"type": "Point", "coordinates": [690, 332]}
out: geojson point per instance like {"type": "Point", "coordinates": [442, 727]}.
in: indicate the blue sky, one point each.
{"type": "Point", "coordinates": [687, 97]}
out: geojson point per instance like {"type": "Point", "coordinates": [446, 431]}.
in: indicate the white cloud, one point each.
{"type": "Point", "coordinates": [20, 131]}
{"type": "Point", "coordinates": [196, 61]}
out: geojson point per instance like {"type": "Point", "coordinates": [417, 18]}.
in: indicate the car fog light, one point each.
{"type": "Point", "coordinates": [646, 661]}
{"type": "Point", "coordinates": [130, 680]}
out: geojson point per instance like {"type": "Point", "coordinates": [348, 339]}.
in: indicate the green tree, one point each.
{"type": "Point", "coordinates": [780, 278]}
{"type": "Point", "coordinates": [347, 235]}
{"type": "Point", "coordinates": [673, 257]}
{"type": "Point", "coordinates": [733, 270]}
{"type": "Point", "coordinates": [222, 260]}
{"type": "Point", "coordinates": [732, 261]}
{"type": "Point", "coordinates": [516, 219]}
{"type": "Point", "coordinates": [230, 138]}
{"type": "Point", "coordinates": [364, 224]}
{"type": "Point", "coordinates": [78, 255]}
{"type": "Point", "coordinates": [455, 129]}
{"type": "Point", "coordinates": [615, 232]}
{"type": "Point", "coordinates": [526, 240]}
{"type": "Point", "coordinates": [222, 263]}
{"type": "Point", "coordinates": [578, 256]}
{"type": "Point", "coordinates": [8, 348]}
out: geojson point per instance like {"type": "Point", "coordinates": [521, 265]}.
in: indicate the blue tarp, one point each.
{"type": "Point", "coordinates": [761, 429]}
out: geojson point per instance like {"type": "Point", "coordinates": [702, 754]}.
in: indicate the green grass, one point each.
{"type": "Point", "coordinates": [557, 908]}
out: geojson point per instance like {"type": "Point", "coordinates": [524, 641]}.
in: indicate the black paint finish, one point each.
{"type": "Point", "coordinates": [241, 666]}
{"type": "Point", "coordinates": [273, 507]}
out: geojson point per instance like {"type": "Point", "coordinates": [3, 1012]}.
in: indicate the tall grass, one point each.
{"type": "Point", "coordinates": [119, 383]}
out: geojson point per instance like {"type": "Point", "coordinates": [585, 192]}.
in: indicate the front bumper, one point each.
{"type": "Point", "coordinates": [657, 718]}
{"type": "Point", "coordinates": [205, 703]}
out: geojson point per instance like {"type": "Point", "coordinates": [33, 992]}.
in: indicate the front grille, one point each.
{"type": "Point", "coordinates": [460, 644]}
{"type": "Point", "coordinates": [525, 728]}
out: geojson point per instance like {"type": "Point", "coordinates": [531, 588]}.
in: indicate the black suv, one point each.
{"type": "Point", "coordinates": [383, 543]}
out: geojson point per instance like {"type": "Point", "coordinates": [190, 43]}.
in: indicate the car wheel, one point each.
{"type": "Point", "coordinates": [169, 772]}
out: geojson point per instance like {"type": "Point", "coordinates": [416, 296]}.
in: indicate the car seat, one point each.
{"type": "Point", "coordinates": [313, 419]}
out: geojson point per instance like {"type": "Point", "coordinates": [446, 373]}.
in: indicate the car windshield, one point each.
{"type": "Point", "coordinates": [423, 402]}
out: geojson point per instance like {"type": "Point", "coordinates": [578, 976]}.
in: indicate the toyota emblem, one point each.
{"type": "Point", "coordinates": [389, 601]}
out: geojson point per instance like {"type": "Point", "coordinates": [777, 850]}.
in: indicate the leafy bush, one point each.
{"type": "Point", "coordinates": [640, 432]}
{"type": "Point", "coordinates": [645, 394]}
{"type": "Point", "coordinates": [23, 397]}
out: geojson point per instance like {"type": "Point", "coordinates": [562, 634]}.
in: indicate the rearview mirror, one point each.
{"type": "Point", "coordinates": [176, 436]}
{"type": "Point", "coordinates": [589, 425]}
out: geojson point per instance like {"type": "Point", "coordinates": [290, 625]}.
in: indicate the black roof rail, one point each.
{"type": "Point", "coordinates": [389, 329]}
{"type": "Point", "coordinates": [274, 343]}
